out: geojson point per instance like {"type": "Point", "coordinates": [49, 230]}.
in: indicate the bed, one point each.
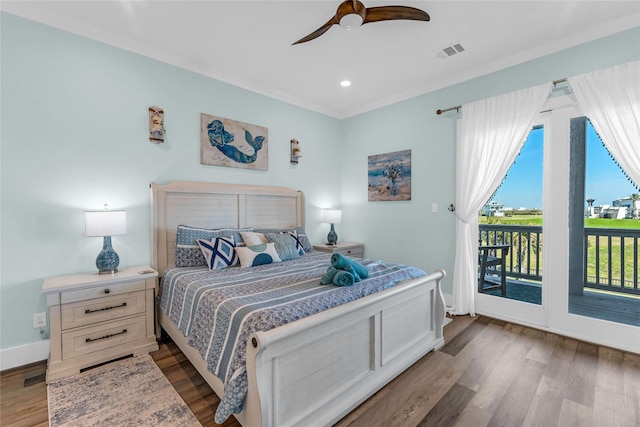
{"type": "Point", "coordinates": [314, 370]}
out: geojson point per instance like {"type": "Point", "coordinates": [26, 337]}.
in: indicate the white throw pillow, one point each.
{"type": "Point", "coordinates": [251, 256]}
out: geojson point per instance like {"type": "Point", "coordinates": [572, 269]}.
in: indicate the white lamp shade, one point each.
{"type": "Point", "coordinates": [332, 216]}
{"type": "Point", "coordinates": [105, 223]}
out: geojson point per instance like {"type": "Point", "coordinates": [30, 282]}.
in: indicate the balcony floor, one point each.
{"type": "Point", "coordinates": [520, 290]}
{"type": "Point", "coordinates": [621, 309]}
{"type": "Point", "coordinates": [614, 308]}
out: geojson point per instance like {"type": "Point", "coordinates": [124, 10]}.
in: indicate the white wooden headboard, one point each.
{"type": "Point", "coordinates": [216, 205]}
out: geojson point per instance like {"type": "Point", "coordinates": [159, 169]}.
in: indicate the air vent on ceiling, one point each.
{"type": "Point", "coordinates": [451, 50]}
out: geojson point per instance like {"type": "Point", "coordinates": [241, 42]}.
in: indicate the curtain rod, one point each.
{"type": "Point", "coordinates": [458, 107]}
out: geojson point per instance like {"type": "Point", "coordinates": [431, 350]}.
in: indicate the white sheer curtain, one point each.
{"type": "Point", "coordinates": [610, 98]}
{"type": "Point", "coordinates": [490, 135]}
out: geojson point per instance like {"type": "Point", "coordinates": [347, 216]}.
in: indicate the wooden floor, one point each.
{"type": "Point", "coordinates": [490, 373]}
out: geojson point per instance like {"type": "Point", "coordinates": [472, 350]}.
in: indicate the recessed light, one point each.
{"type": "Point", "coordinates": [345, 83]}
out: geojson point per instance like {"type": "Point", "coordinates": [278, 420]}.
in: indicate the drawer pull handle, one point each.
{"type": "Point", "coordinates": [87, 311]}
{"type": "Point", "coordinates": [124, 331]}
{"type": "Point", "coordinates": [107, 291]}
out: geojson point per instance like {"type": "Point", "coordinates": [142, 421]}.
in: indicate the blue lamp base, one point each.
{"type": "Point", "coordinates": [332, 237]}
{"type": "Point", "coordinates": [108, 260]}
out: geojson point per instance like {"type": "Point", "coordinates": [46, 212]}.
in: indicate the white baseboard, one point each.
{"type": "Point", "coordinates": [448, 301]}
{"type": "Point", "coordinates": [24, 354]}
{"type": "Point", "coordinates": [39, 350]}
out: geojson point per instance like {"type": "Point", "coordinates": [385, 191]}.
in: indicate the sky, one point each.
{"type": "Point", "coordinates": [523, 184]}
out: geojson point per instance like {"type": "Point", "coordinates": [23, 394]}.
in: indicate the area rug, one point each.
{"type": "Point", "coordinates": [128, 392]}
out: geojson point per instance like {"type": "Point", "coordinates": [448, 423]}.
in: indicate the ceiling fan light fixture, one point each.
{"type": "Point", "coordinates": [352, 14]}
{"type": "Point", "coordinates": [350, 21]}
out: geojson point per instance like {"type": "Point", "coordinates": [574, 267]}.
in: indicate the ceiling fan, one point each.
{"type": "Point", "coordinates": [352, 14]}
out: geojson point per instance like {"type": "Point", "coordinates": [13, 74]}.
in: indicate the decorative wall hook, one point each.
{"type": "Point", "coordinates": [451, 208]}
{"type": "Point", "coordinates": [296, 153]}
{"type": "Point", "coordinates": [156, 125]}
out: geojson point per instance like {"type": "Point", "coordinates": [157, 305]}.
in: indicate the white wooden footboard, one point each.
{"type": "Point", "coordinates": [316, 370]}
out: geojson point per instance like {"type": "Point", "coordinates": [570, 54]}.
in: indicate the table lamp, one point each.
{"type": "Point", "coordinates": [106, 223]}
{"type": "Point", "coordinates": [332, 216]}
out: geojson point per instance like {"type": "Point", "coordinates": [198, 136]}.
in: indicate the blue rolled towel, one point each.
{"type": "Point", "coordinates": [343, 278]}
{"type": "Point", "coordinates": [339, 261]}
{"type": "Point", "coordinates": [327, 278]}
{"type": "Point", "coordinates": [349, 269]}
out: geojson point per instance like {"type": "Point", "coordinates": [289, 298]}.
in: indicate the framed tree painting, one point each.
{"type": "Point", "coordinates": [390, 176]}
{"type": "Point", "coordinates": [225, 142]}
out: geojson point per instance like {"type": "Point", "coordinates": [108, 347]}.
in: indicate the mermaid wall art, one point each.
{"type": "Point", "coordinates": [225, 142]}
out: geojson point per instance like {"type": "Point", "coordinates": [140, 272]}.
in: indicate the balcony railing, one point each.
{"type": "Point", "coordinates": [611, 262]}
{"type": "Point", "coordinates": [524, 260]}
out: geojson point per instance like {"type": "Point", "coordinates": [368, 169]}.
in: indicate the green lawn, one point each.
{"type": "Point", "coordinates": [612, 223]}
{"type": "Point", "coordinates": [536, 220]}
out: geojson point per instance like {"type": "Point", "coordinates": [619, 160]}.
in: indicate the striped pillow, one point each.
{"type": "Point", "coordinates": [188, 253]}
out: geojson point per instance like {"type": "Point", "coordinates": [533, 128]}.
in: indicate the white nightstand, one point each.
{"type": "Point", "coordinates": [345, 248]}
{"type": "Point", "coordinates": [95, 318]}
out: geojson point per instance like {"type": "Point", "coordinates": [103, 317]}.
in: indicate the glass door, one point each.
{"type": "Point", "coordinates": [604, 232]}
{"type": "Point", "coordinates": [577, 257]}
{"type": "Point", "coordinates": [510, 240]}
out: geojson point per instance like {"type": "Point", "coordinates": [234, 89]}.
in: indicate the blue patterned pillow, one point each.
{"type": "Point", "coordinates": [251, 256]}
{"type": "Point", "coordinates": [302, 237]}
{"type": "Point", "coordinates": [297, 240]}
{"type": "Point", "coordinates": [220, 252]}
{"type": "Point", "coordinates": [285, 245]}
{"type": "Point", "coordinates": [188, 253]}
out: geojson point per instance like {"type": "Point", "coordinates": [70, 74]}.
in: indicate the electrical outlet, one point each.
{"type": "Point", "coordinates": [434, 207]}
{"type": "Point", "coordinates": [39, 320]}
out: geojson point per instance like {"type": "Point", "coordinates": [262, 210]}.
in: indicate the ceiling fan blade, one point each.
{"type": "Point", "coordinates": [320, 31]}
{"type": "Point", "coordinates": [388, 13]}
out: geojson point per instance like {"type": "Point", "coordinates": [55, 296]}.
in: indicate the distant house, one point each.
{"type": "Point", "coordinates": [613, 212]}
{"type": "Point", "coordinates": [632, 206]}
{"type": "Point", "coordinates": [622, 208]}
{"type": "Point", "coordinates": [493, 208]}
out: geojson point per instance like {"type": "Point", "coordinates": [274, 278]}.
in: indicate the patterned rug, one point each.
{"type": "Point", "coordinates": [129, 392]}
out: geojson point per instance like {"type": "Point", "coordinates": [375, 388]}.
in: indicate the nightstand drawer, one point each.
{"type": "Point", "coordinates": [345, 248]}
{"type": "Point", "coordinates": [101, 291]}
{"type": "Point", "coordinates": [100, 337]}
{"type": "Point", "coordinates": [102, 309]}
{"type": "Point", "coordinates": [354, 252]}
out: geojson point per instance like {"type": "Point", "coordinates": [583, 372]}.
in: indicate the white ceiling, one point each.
{"type": "Point", "coordinates": [248, 43]}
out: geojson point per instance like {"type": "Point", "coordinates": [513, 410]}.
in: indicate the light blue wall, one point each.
{"type": "Point", "coordinates": [74, 136]}
{"type": "Point", "coordinates": [408, 232]}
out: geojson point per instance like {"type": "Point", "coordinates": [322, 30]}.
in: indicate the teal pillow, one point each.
{"type": "Point", "coordinates": [285, 245]}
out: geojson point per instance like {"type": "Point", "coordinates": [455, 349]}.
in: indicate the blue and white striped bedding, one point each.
{"type": "Point", "coordinates": [217, 311]}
